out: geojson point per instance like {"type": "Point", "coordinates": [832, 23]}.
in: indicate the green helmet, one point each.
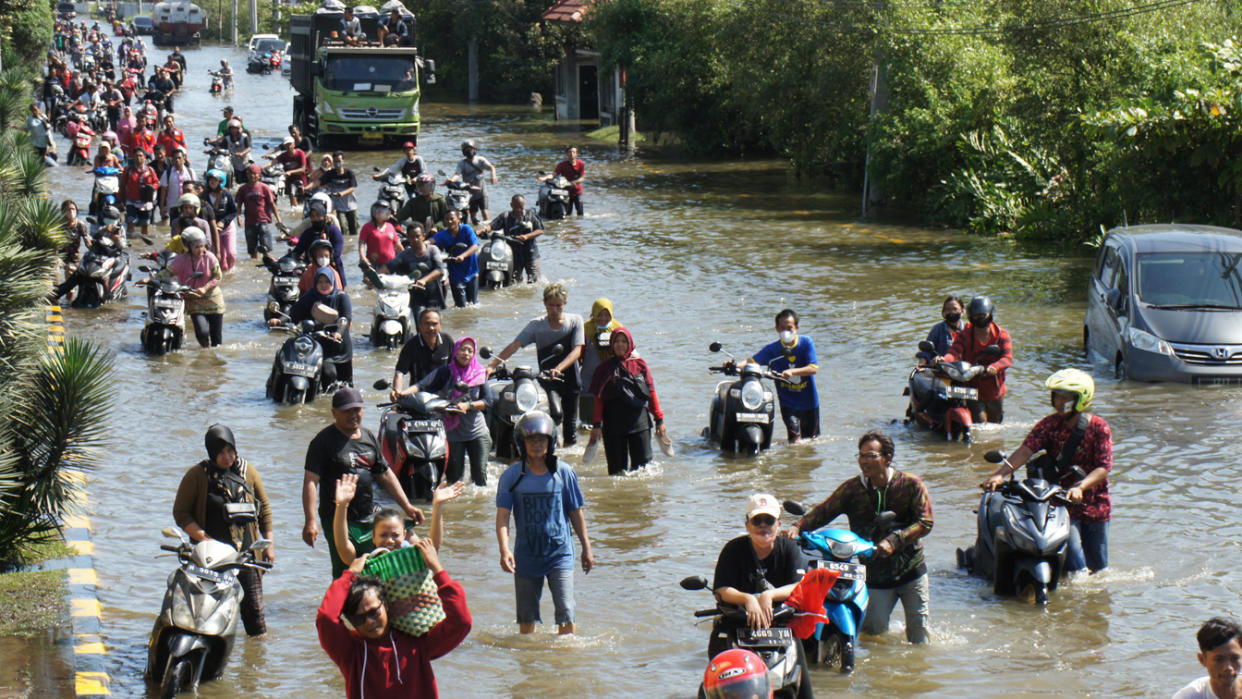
{"type": "Point", "coordinates": [1073, 381]}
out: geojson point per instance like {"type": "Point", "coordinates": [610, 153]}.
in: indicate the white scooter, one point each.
{"type": "Point", "coordinates": [393, 322]}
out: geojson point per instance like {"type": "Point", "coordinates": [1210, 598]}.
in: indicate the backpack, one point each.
{"type": "Point", "coordinates": [1050, 469]}
{"type": "Point", "coordinates": [632, 391]}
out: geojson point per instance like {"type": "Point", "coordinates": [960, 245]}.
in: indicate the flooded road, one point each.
{"type": "Point", "coordinates": [689, 252]}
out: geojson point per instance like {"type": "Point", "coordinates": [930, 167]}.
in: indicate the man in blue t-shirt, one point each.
{"type": "Point", "coordinates": [543, 496]}
{"type": "Point", "coordinates": [463, 262]}
{"type": "Point", "coordinates": [793, 357]}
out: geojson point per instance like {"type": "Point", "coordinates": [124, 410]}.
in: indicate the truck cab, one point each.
{"type": "Point", "coordinates": [354, 94]}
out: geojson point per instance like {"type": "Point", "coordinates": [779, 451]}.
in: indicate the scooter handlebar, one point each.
{"type": "Point", "coordinates": [170, 547]}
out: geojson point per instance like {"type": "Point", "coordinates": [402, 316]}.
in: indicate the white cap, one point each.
{"type": "Point", "coordinates": [763, 504]}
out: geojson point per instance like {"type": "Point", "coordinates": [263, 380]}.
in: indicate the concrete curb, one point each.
{"type": "Point", "coordinates": [89, 653]}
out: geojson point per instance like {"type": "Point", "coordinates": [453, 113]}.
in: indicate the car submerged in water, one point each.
{"type": "Point", "coordinates": [1165, 303]}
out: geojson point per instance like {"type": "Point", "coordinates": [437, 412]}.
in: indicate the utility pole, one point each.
{"type": "Point", "coordinates": [254, 16]}
{"type": "Point", "coordinates": [472, 69]}
{"type": "Point", "coordinates": [872, 195]}
{"type": "Point", "coordinates": [234, 23]}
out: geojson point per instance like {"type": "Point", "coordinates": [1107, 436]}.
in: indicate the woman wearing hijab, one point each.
{"type": "Point", "coordinates": [625, 402]}
{"type": "Point", "coordinates": [338, 351]}
{"type": "Point", "coordinates": [222, 498]}
{"type": "Point", "coordinates": [598, 331]}
{"type": "Point", "coordinates": [200, 270]}
{"type": "Point", "coordinates": [467, 429]}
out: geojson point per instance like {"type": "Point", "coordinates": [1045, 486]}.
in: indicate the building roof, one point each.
{"type": "Point", "coordinates": [567, 11]}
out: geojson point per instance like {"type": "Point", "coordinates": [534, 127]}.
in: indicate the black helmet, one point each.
{"type": "Point", "coordinates": [468, 146]}
{"type": "Point", "coordinates": [218, 436]}
{"type": "Point", "coordinates": [536, 422]}
{"type": "Point", "coordinates": [980, 305]}
{"type": "Point", "coordinates": [111, 213]}
{"type": "Point", "coordinates": [321, 243]}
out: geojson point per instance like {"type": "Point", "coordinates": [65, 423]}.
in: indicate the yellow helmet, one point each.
{"type": "Point", "coordinates": [1073, 381]}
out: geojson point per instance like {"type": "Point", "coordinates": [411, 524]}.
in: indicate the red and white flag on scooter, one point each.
{"type": "Point", "coordinates": [808, 597]}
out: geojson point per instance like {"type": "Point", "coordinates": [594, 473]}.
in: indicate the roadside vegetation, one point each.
{"type": "Point", "coordinates": [1045, 119]}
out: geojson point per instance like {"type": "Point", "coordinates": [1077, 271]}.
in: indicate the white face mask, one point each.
{"type": "Point", "coordinates": [322, 261]}
{"type": "Point", "coordinates": [788, 336]}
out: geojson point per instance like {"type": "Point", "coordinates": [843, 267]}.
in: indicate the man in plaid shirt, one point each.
{"type": "Point", "coordinates": [897, 570]}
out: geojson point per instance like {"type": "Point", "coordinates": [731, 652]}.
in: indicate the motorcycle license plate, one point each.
{"type": "Point", "coordinates": [764, 638]}
{"type": "Point", "coordinates": [560, 192]}
{"type": "Point", "coordinates": [422, 426]}
{"type": "Point", "coordinates": [762, 418]}
{"type": "Point", "coordinates": [963, 392]}
{"type": "Point", "coordinates": [848, 571]}
{"type": "Point", "coordinates": [496, 265]}
{"type": "Point", "coordinates": [299, 369]}
{"type": "Point", "coordinates": [205, 573]}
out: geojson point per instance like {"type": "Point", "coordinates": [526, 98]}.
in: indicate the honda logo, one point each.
{"type": "Point", "coordinates": [1221, 353]}
{"type": "Point", "coordinates": [372, 112]}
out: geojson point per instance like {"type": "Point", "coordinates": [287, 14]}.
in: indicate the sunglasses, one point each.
{"type": "Point", "coordinates": [763, 520]}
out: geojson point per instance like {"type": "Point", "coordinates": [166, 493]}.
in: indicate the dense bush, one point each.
{"type": "Point", "coordinates": [26, 27]}
{"type": "Point", "coordinates": [1044, 118]}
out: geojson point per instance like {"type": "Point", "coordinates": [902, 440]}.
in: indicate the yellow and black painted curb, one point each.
{"type": "Point", "coordinates": [82, 582]}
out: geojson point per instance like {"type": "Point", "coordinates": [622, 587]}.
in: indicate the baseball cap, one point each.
{"type": "Point", "coordinates": [346, 398]}
{"type": "Point", "coordinates": [254, 168]}
{"type": "Point", "coordinates": [409, 144]}
{"type": "Point", "coordinates": [762, 504]}
{"type": "Point", "coordinates": [287, 142]}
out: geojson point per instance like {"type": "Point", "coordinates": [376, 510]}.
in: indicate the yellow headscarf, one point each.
{"type": "Point", "coordinates": [593, 330]}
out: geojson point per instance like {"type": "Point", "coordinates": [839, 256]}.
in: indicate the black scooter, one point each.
{"type": "Point", "coordinates": [1023, 534]}
{"type": "Point", "coordinates": [282, 291]}
{"type": "Point", "coordinates": [297, 372]}
{"type": "Point", "coordinates": [496, 260]}
{"type": "Point", "coordinates": [554, 198]}
{"type": "Point", "coordinates": [413, 440]}
{"type": "Point", "coordinates": [517, 392]}
{"type": "Point", "coordinates": [102, 273]}
{"type": "Point", "coordinates": [164, 330]}
{"type": "Point", "coordinates": [781, 651]}
{"type": "Point", "coordinates": [742, 411]}
{"type": "Point", "coordinates": [938, 394]}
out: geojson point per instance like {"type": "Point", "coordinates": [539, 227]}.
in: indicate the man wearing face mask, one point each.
{"type": "Point", "coordinates": [793, 357]}
{"type": "Point", "coordinates": [1070, 437]}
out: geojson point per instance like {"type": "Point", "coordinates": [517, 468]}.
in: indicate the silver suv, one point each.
{"type": "Point", "coordinates": [1165, 303]}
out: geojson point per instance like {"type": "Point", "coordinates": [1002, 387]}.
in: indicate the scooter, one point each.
{"type": "Point", "coordinates": [554, 198]}
{"type": "Point", "coordinates": [104, 191]}
{"type": "Point", "coordinates": [218, 158]}
{"type": "Point", "coordinates": [458, 197]}
{"type": "Point", "coordinates": [413, 440]}
{"type": "Point", "coordinates": [80, 154]}
{"type": "Point", "coordinates": [780, 649]}
{"type": "Point", "coordinates": [742, 411]}
{"type": "Point", "coordinates": [193, 634]}
{"type": "Point", "coordinates": [1023, 534]}
{"type": "Point", "coordinates": [393, 321]}
{"type": "Point", "coordinates": [259, 63]}
{"type": "Point", "coordinates": [840, 550]}
{"type": "Point", "coordinates": [517, 392]}
{"type": "Point", "coordinates": [164, 330]}
{"type": "Point", "coordinates": [392, 191]}
{"type": "Point", "coordinates": [297, 371]}
{"type": "Point", "coordinates": [274, 176]}
{"type": "Point", "coordinates": [938, 394]}
{"type": "Point", "coordinates": [102, 274]}
{"type": "Point", "coordinates": [282, 291]}
{"type": "Point", "coordinates": [497, 261]}
{"type": "Point", "coordinates": [217, 82]}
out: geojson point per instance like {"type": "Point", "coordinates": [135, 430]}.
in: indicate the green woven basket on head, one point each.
{"type": "Point", "coordinates": [409, 589]}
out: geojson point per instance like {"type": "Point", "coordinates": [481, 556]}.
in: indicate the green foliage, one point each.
{"type": "Point", "coordinates": [1043, 118]}
{"type": "Point", "coordinates": [26, 25]}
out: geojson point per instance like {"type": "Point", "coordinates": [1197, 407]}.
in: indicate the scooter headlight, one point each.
{"type": "Point", "coordinates": [526, 397]}
{"type": "Point", "coordinates": [497, 252]}
{"type": "Point", "coordinates": [1017, 526]}
{"type": "Point", "coordinates": [841, 549]}
{"type": "Point", "coordinates": [752, 395]}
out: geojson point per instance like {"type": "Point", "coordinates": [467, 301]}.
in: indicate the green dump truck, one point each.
{"type": "Point", "coordinates": [355, 94]}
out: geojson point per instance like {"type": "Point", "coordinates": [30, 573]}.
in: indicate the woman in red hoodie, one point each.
{"type": "Point", "coordinates": [625, 404]}
{"type": "Point", "coordinates": [379, 661]}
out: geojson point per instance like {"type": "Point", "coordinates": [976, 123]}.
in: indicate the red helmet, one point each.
{"type": "Point", "coordinates": [737, 674]}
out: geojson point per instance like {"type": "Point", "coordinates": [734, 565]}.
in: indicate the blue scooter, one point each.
{"type": "Point", "coordinates": [840, 550]}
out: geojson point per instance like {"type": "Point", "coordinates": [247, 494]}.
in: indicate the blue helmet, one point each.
{"type": "Point", "coordinates": [219, 175]}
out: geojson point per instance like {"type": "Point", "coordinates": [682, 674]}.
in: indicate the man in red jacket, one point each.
{"type": "Point", "coordinates": [171, 137]}
{"type": "Point", "coordinates": [378, 661]}
{"type": "Point", "coordinates": [969, 345]}
{"type": "Point", "coordinates": [138, 202]}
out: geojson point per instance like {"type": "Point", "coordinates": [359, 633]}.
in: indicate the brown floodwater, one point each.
{"type": "Point", "coordinates": [690, 252]}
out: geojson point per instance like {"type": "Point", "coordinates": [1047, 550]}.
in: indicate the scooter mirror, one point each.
{"type": "Point", "coordinates": [461, 387]}
{"type": "Point", "coordinates": [171, 532]}
{"type": "Point", "coordinates": [694, 582]}
{"type": "Point", "coordinates": [794, 507]}
{"type": "Point", "coordinates": [381, 385]}
{"type": "Point", "coordinates": [994, 457]}
{"type": "Point", "coordinates": [146, 240]}
{"type": "Point", "coordinates": [441, 173]}
{"type": "Point", "coordinates": [196, 275]}
{"type": "Point", "coordinates": [926, 346]}
{"type": "Point", "coordinates": [485, 352]}
{"type": "Point", "coordinates": [714, 347]}
{"type": "Point", "coordinates": [991, 351]}
{"type": "Point", "coordinates": [886, 519]}
{"type": "Point", "coordinates": [144, 268]}
{"type": "Point", "coordinates": [261, 545]}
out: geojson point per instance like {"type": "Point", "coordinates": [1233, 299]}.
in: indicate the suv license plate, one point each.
{"type": "Point", "coordinates": [764, 638]}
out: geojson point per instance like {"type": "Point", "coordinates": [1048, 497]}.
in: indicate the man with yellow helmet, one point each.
{"type": "Point", "coordinates": [1091, 449]}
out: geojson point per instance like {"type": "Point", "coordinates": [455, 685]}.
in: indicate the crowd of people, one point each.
{"type": "Point", "coordinates": [594, 375]}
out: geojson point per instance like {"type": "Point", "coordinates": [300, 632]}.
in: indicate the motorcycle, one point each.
{"type": "Point", "coordinates": [80, 154]}
{"type": "Point", "coordinates": [517, 392]}
{"type": "Point", "coordinates": [164, 330]}
{"type": "Point", "coordinates": [392, 191]}
{"type": "Point", "coordinates": [839, 550]}
{"type": "Point", "coordinates": [104, 190]}
{"type": "Point", "coordinates": [218, 158]}
{"type": "Point", "coordinates": [938, 394]}
{"type": "Point", "coordinates": [102, 274]}
{"type": "Point", "coordinates": [217, 82]}
{"type": "Point", "coordinates": [193, 634]}
{"type": "Point", "coordinates": [497, 262]}
{"type": "Point", "coordinates": [393, 320]}
{"type": "Point", "coordinates": [781, 651]}
{"type": "Point", "coordinates": [742, 411]}
{"type": "Point", "coordinates": [259, 63]}
{"type": "Point", "coordinates": [554, 198]}
{"type": "Point", "coordinates": [413, 440]}
{"type": "Point", "coordinates": [274, 176]}
{"type": "Point", "coordinates": [458, 198]}
{"type": "Point", "coordinates": [1023, 534]}
{"type": "Point", "coordinates": [282, 291]}
{"type": "Point", "coordinates": [297, 372]}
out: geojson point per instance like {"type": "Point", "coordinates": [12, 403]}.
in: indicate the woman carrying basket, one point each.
{"type": "Point", "coordinates": [376, 660]}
